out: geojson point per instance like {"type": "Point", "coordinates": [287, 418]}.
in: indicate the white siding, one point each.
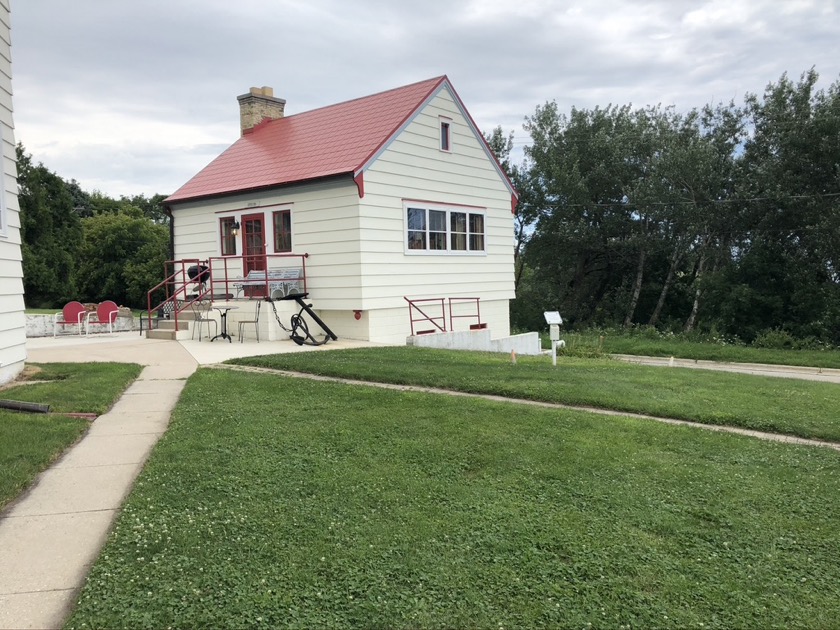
{"type": "Point", "coordinates": [12, 318]}
{"type": "Point", "coordinates": [325, 225]}
{"type": "Point", "coordinates": [413, 167]}
{"type": "Point", "coordinates": [356, 246]}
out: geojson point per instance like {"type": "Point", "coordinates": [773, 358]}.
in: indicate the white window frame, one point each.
{"type": "Point", "coordinates": [449, 210]}
{"type": "Point", "coordinates": [445, 124]}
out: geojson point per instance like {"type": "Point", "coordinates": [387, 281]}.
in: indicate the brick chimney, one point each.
{"type": "Point", "coordinates": [258, 105]}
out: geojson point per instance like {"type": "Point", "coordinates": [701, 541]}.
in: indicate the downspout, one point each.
{"type": "Point", "coordinates": [167, 210]}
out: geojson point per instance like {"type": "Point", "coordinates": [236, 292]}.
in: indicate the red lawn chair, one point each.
{"type": "Point", "coordinates": [73, 314]}
{"type": "Point", "coordinates": [105, 313]}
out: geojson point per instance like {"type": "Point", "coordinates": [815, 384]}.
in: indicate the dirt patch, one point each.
{"type": "Point", "coordinates": [26, 377]}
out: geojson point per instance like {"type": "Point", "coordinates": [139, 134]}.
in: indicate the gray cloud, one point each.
{"type": "Point", "coordinates": [135, 97]}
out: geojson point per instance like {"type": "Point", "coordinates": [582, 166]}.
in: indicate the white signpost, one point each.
{"type": "Point", "coordinates": [554, 321]}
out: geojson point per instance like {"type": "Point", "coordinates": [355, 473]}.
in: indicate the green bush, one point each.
{"type": "Point", "coordinates": [776, 339]}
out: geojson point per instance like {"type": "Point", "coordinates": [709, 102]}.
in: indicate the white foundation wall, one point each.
{"type": "Point", "coordinates": [386, 326]}
{"type": "Point", "coordinates": [391, 325]}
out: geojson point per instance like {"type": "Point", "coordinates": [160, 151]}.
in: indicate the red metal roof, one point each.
{"type": "Point", "coordinates": [333, 140]}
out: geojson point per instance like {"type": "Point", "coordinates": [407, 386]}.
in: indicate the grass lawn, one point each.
{"type": "Point", "coordinates": [276, 502]}
{"type": "Point", "coordinates": [31, 442]}
{"type": "Point", "coordinates": [675, 347]}
{"type": "Point", "coordinates": [802, 408]}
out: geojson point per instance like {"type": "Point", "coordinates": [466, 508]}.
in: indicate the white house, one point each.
{"type": "Point", "coordinates": [390, 197]}
{"type": "Point", "coordinates": [12, 318]}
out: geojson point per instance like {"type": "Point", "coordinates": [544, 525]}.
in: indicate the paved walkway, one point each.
{"type": "Point", "coordinates": [827, 375]}
{"type": "Point", "coordinates": [52, 534]}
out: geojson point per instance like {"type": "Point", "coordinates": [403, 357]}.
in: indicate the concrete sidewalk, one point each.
{"type": "Point", "coordinates": [827, 375]}
{"type": "Point", "coordinates": [51, 535]}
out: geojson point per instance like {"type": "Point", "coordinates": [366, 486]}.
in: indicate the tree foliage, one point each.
{"type": "Point", "coordinates": [87, 246]}
{"type": "Point", "coordinates": [50, 231]}
{"type": "Point", "coordinates": [122, 256]}
{"type": "Point", "coordinates": [724, 218]}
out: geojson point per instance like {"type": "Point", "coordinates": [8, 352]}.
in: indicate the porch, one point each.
{"type": "Point", "coordinates": [259, 290]}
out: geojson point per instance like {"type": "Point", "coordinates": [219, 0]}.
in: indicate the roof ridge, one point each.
{"type": "Point", "coordinates": [433, 80]}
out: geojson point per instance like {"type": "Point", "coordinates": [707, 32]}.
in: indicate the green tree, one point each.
{"type": "Point", "coordinates": [51, 233]}
{"type": "Point", "coordinates": [152, 207]}
{"type": "Point", "coordinates": [122, 257]}
{"type": "Point", "coordinates": [789, 251]}
{"type": "Point", "coordinates": [590, 241]}
{"type": "Point", "coordinates": [502, 147]}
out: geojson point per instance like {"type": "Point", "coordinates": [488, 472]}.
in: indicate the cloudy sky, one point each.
{"type": "Point", "coordinates": [136, 96]}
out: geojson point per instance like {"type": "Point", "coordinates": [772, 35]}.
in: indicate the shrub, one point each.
{"type": "Point", "coordinates": [776, 339]}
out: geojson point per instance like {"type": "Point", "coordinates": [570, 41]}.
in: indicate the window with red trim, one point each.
{"type": "Point", "coordinates": [227, 237]}
{"type": "Point", "coordinates": [282, 231]}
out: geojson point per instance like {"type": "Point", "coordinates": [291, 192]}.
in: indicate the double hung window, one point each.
{"type": "Point", "coordinates": [282, 231]}
{"type": "Point", "coordinates": [227, 237]}
{"type": "Point", "coordinates": [438, 229]}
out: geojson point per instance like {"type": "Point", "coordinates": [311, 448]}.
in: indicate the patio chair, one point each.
{"type": "Point", "coordinates": [255, 322]}
{"type": "Point", "coordinates": [73, 314]}
{"type": "Point", "coordinates": [105, 313]}
{"type": "Point", "coordinates": [201, 316]}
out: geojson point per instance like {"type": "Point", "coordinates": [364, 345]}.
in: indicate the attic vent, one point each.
{"type": "Point", "coordinates": [258, 105]}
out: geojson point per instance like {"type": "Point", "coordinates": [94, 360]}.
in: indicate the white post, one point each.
{"type": "Point", "coordinates": [553, 353]}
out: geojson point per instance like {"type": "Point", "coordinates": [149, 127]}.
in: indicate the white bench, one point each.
{"type": "Point", "coordinates": [281, 282]}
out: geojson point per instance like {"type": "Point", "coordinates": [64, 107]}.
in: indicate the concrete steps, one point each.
{"type": "Point", "coordinates": [166, 329]}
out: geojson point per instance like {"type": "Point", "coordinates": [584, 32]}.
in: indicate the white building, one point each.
{"type": "Point", "coordinates": [12, 318]}
{"type": "Point", "coordinates": [390, 197]}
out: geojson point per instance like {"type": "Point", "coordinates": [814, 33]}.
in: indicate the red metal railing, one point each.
{"type": "Point", "coordinates": [415, 305]}
{"type": "Point", "coordinates": [225, 271]}
{"type": "Point", "coordinates": [458, 307]}
{"type": "Point", "coordinates": [180, 291]}
{"type": "Point", "coordinates": [465, 313]}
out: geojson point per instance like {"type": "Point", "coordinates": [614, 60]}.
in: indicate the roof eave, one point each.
{"type": "Point", "coordinates": [253, 189]}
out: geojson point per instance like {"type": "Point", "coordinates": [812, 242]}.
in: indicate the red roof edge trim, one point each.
{"type": "Point", "coordinates": [403, 123]}
{"type": "Point", "coordinates": [242, 191]}
{"type": "Point", "coordinates": [360, 184]}
{"type": "Point", "coordinates": [482, 139]}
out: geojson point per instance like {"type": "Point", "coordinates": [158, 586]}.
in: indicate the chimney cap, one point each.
{"type": "Point", "coordinates": [264, 93]}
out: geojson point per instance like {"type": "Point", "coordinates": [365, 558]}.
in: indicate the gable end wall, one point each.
{"type": "Point", "coordinates": [413, 167]}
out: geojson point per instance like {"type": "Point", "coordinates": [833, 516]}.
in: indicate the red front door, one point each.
{"type": "Point", "coordinates": [253, 242]}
